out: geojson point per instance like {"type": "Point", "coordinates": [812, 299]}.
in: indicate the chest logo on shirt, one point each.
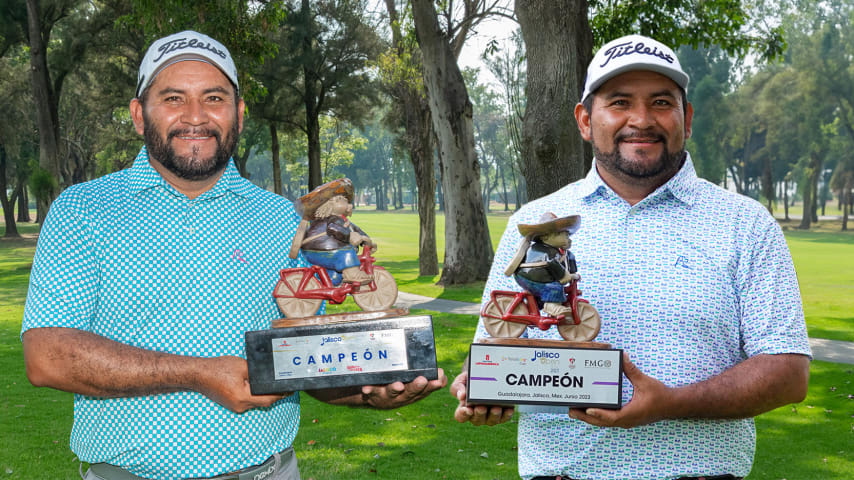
{"type": "Point", "coordinates": [238, 255]}
{"type": "Point", "coordinates": [682, 261]}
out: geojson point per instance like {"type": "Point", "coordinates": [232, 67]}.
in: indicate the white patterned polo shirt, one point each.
{"type": "Point", "coordinates": [128, 257]}
{"type": "Point", "coordinates": [690, 281]}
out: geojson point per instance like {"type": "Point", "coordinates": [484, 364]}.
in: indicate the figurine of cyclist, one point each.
{"type": "Point", "coordinates": [327, 237]}
{"type": "Point", "coordinates": [543, 264]}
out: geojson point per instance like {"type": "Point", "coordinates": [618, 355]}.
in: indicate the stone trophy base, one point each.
{"type": "Point", "coordinates": [341, 350]}
{"type": "Point", "coordinates": [520, 371]}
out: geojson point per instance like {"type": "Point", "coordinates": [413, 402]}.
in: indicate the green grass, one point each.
{"type": "Point", "coordinates": [812, 440]}
{"type": "Point", "coordinates": [824, 262]}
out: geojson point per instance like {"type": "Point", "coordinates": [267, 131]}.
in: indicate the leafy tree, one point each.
{"type": "Point", "coordinates": [329, 45]}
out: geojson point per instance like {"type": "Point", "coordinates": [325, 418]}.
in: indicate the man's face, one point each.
{"type": "Point", "coordinates": [191, 120]}
{"type": "Point", "coordinates": [637, 126]}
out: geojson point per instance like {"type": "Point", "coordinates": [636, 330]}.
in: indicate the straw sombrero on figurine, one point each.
{"type": "Point", "coordinates": [307, 204]}
{"type": "Point", "coordinates": [550, 223]}
{"type": "Point", "coordinates": [311, 201]}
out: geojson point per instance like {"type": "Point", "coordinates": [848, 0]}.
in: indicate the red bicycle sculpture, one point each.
{"type": "Point", "coordinates": [300, 291]}
{"type": "Point", "coordinates": [509, 313]}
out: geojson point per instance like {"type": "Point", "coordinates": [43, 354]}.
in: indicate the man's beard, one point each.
{"type": "Point", "coordinates": [667, 163]}
{"type": "Point", "coordinates": [190, 167]}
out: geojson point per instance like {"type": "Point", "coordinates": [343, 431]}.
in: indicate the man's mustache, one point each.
{"type": "Point", "coordinates": [658, 137]}
{"type": "Point", "coordinates": [194, 132]}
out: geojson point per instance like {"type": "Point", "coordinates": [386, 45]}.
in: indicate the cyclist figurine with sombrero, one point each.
{"type": "Point", "coordinates": [545, 268]}
{"type": "Point", "coordinates": [548, 264]}
{"type": "Point", "coordinates": [331, 238]}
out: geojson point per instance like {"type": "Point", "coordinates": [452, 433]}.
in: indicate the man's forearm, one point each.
{"type": "Point", "coordinates": [753, 387]}
{"type": "Point", "coordinates": [83, 362]}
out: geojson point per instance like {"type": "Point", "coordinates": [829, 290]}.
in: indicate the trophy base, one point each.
{"type": "Point", "coordinates": [521, 371]}
{"type": "Point", "coordinates": [342, 350]}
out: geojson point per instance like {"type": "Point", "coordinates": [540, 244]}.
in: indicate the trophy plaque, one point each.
{"type": "Point", "coordinates": [326, 354]}
{"type": "Point", "coordinates": [544, 372]}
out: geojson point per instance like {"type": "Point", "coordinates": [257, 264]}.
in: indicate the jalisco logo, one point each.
{"type": "Point", "coordinates": [544, 354]}
{"type": "Point", "coordinates": [630, 48]}
{"type": "Point", "coordinates": [326, 340]}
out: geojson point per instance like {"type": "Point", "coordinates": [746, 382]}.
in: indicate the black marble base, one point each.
{"type": "Point", "coordinates": [261, 354]}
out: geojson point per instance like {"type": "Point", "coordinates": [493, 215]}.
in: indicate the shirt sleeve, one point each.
{"type": "Point", "coordinates": [64, 278]}
{"type": "Point", "coordinates": [772, 316]}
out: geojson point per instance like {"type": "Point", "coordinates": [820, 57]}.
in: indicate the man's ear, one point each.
{"type": "Point", "coordinates": [241, 107]}
{"type": "Point", "coordinates": [689, 117]}
{"type": "Point", "coordinates": [582, 118]}
{"type": "Point", "coordinates": [136, 115]}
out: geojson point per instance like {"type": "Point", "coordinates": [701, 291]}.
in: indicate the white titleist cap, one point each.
{"type": "Point", "coordinates": [187, 45]}
{"type": "Point", "coordinates": [632, 52]}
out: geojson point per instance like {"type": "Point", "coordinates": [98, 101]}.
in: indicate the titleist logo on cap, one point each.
{"type": "Point", "coordinates": [182, 43]}
{"type": "Point", "coordinates": [630, 48]}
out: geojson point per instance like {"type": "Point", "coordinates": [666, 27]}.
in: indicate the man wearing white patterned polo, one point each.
{"type": "Point", "coordinates": [694, 283]}
{"type": "Point", "coordinates": [145, 280]}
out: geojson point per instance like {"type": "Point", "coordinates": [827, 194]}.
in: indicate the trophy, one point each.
{"type": "Point", "coordinates": [574, 372]}
{"type": "Point", "coordinates": [378, 345]}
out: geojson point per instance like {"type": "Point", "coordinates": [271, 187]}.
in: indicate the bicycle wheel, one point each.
{"type": "Point", "coordinates": [289, 304]}
{"type": "Point", "coordinates": [502, 328]}
{"type": "Point", "coordinates": [380, 299]}
{"type": "Point", "coordinates": [584, 331]}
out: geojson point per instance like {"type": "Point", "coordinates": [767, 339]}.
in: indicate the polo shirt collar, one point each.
{"type": "Point", "coordinates": [142, 176]}
{"type": "Point", "coordinates": [682, 186]}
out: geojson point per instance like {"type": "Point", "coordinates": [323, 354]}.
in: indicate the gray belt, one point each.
{"type": "Point", "coordinates": [273, 464]}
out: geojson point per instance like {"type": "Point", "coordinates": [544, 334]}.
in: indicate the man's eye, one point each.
{"type": "Point", "coordinates": [215, 99]}
{"type": "Point", "coordinates": [172, 99]}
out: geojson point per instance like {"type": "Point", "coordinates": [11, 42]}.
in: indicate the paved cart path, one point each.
{"type": "Point", "coordinates": [828, 350]}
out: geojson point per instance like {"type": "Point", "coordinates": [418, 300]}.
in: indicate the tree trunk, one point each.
{"type": "Point", "coordinates": [8, 207]}
{"type": "Point", "coordinates": [786, 199]}
{"type": "Point", "coordinates": [45, 104]}
{"type": "Point", "coordinates": [274, 152]}
{"type": "Point", "coordinates": [846, 195]}
{"type": "Point", "coordinates": [468, 248]}
{"type": "Point", "coordinates": [810, 191]}
{"type": "Point", "coordinates": [767, 184]}
{"type": "Point", "coordinates": [559, 45]}
{"type": "Point", "coordinates": [23, 201]}
{"type": "Point", "coordinates": [311, 100]}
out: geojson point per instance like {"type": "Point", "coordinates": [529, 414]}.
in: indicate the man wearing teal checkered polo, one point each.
{"type": "Point", "coordinates": [145, 280]}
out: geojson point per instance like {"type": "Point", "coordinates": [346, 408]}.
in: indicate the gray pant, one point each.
{"type": "Point", "coordinates": [284, 467]}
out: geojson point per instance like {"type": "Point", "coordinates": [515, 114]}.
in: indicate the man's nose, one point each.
{"type": "Point", "coordinates": [194, 113]}
{"type": "Point", "coordinates": [641, 116]}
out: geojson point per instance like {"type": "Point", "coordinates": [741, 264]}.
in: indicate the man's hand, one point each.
{"type": "Point", "coordinates": [476, 414]}
{"type": "Point", "coordinates": [228, 385]}
{"type": "Point", "coordinates": [648, 403]}
{"type": "Point", "coordinates": [398, 394]}
{"type": "Point", "coordinates": [393, 395]}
